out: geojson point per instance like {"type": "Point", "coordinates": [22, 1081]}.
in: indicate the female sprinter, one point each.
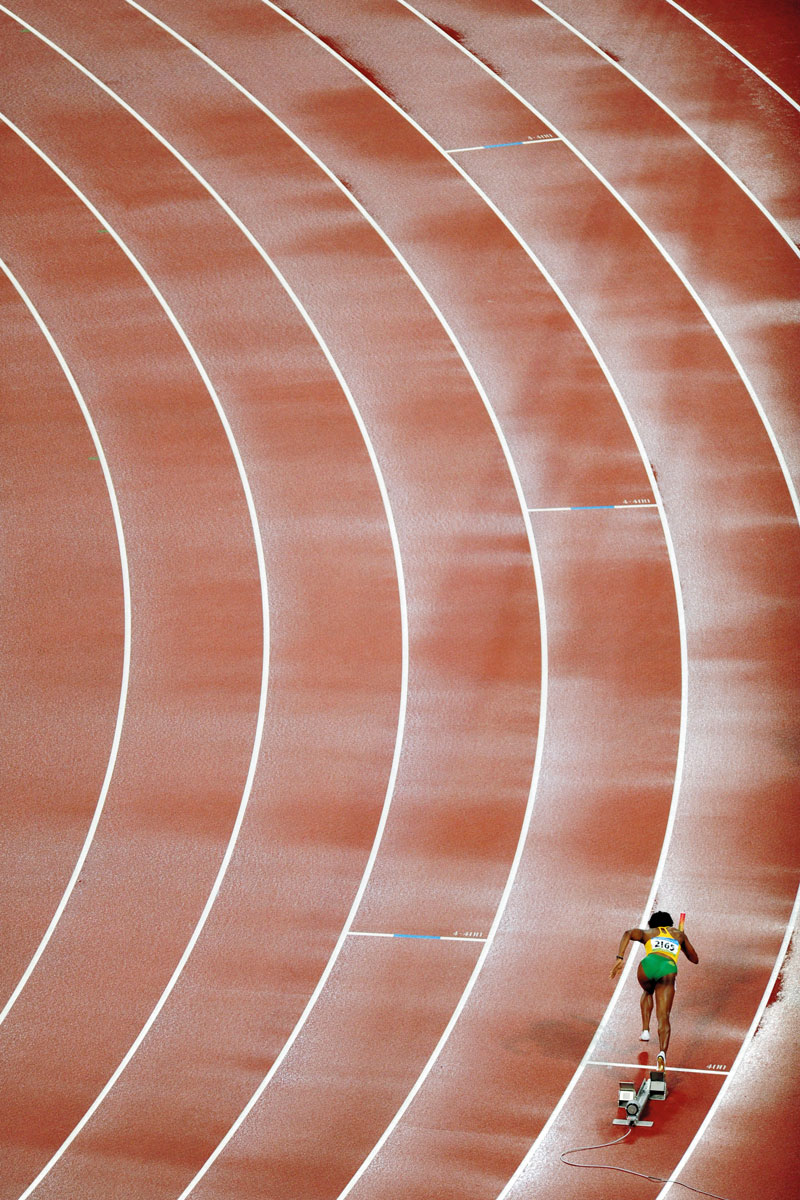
{"type": "Point", "coordinates": [657, 973]}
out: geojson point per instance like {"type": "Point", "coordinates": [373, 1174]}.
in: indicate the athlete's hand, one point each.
{"type": "Point", "coordinates": [617, 967]}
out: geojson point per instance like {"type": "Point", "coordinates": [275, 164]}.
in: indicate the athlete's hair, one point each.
{"type": "Point", "coordinates": [659, 918]}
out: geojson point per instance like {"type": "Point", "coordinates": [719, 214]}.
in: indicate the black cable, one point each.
{"type": "Point", "coordinates": [627, 1170]}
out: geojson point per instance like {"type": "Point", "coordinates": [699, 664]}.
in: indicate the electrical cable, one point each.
{"type": "Point", "coordinates": [627, 1170]}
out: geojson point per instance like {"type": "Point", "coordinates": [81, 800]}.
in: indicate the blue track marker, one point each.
{"type": "Point", "coordinates": [420, 937]}
{"type": "Point", "coordinates": [586, 507]}
{"type": "Point", "coordinates": [542, 137]}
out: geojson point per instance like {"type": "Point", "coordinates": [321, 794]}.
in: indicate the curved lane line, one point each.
{"type": "Point", "coordinates": [746, 61]}
{"type": "Point", "coordinates": [265, 661]}
{"type": "Point", "coordinates": [700, 305]}
{"type": "Point", "coordinates": [537, 575]}
{"type": "Point", "coordinates": [126, 650]}
{"type": "Point", "coordinates": [678, 121]}
{"type": "Point", "coordinates": [668, 539]}
{"type": "Point", "coordinates": [684, 699]}
{"type": "Point", "coordinates": [403, 604]}
{"type": "Point", "coordinates": [737, 1062]}
{"type": "Point", "coordinates": [651, 237]}
{"type": "Point", "coordinates": [796, 250]}
{"type": "Point", "coordinates": [681, 625]}
{"type": "Point", "coordinates": [659, 870]}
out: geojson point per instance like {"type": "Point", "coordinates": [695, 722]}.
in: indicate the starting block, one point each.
{"type": "Point", "coordinates": [652, 1087]}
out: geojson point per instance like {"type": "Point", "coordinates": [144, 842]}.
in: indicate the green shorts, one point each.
{"type": "Point", "coordinates": [656, 966]}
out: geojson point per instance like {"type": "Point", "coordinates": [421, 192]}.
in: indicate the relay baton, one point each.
{"type": "Point", "coordinates": [681, 921]}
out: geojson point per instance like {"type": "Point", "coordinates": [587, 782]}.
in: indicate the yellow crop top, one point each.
{"type": "Point", "coordinates": [662, 942]}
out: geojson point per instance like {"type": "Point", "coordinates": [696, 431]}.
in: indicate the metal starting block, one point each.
{"type": "Point", "coordinates": [652, 1087]}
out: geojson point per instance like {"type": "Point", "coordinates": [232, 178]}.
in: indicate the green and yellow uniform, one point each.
{"type": "Point", "coordinates": [661, 952]}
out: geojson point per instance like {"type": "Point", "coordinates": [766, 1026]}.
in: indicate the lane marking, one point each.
{"type": "Point", "coordinates": [535, 569]}
{"type": "Point", "coordinates": [681, 620]}
{"type": "Point", "coordinates": [542, 137]}
{"type": "Point", "coordinates": [790, 486]}
{"type": "Point", "coordinates": [770, 82]}
{"type": "Point", "coordinates": [734, 361]}
{"type": "Point", "coordinates": [126, 648]}
{"type": "Point", "coordinates": [425, 937]}
{"type": "Point", "coordinates": [259, 549]}
{"type": "Point", "coordinates": [678, 121]}
{"type": "Point", "coordinates": [595, 1062]}
{"type": "Point", "coordinates": [584, 507]}
{"type": "Point", "coordinates": [402, 594]}
{"type": "Point", "coordinates": [792, 493]}
{"type": "Point", "coordinates": [529, 531]}
{"type": "Point", "coordinates": [737, 1062]}
{"type": "Point", "coordinates": [668, 539]}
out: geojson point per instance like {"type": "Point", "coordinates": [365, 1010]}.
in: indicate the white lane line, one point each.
{"type": "Point", "coordinates": [673, 566]}
{"type": "Point", "coordinates": [595, 1062]}
{"type": "Point", "coordinates": [660, 867]}
{"type": "Point", "coordinates": [681, 619]}
{"type": "Point", "coordinates": [534, 557]}
{"type": "Point", "coordinates": [265, 626]}
{"type": "Point", "coordinates": [651, 237]}
{"type": "Point", "coordinates": [792, 492]}
{"type": "Point", "coordinates": [402, 595]}
{"type": "Point", "coordinates": [126, 650]}
{"type": "Point", "coordinates": [746, 61]}
{"type": "Point", "coordinates": [587, 507]}
{"type": "Point", "coordinates": [737, 1062]}
{"type": "Point", "coordinates": [678, 121]}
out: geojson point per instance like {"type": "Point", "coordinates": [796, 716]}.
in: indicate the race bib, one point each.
{"type": "Point", "coordinates": [666, 944]}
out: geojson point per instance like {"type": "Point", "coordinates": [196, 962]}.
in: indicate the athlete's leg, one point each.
{"type": "Point", "coordinates": [665, 994]}
{"type": "Point", "coordinates": [646, 1002]}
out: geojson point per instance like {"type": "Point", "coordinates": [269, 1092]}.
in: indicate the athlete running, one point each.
{"type": "Point", "coordinates": [657, 973]}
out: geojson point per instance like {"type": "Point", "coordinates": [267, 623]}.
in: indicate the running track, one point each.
{"type": "Point", "coordinates": [401, 453]}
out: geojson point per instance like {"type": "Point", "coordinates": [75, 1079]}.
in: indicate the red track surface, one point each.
{"type": "Point", "coordinates": [600, 707]}
{"type": "Point", "coordinates": [61, 634]}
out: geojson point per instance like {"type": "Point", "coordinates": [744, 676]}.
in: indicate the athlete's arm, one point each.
{"type": "Point", "coordinates": [630, 935]}
{"type": "Point", "coordinates": [688, 948]}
